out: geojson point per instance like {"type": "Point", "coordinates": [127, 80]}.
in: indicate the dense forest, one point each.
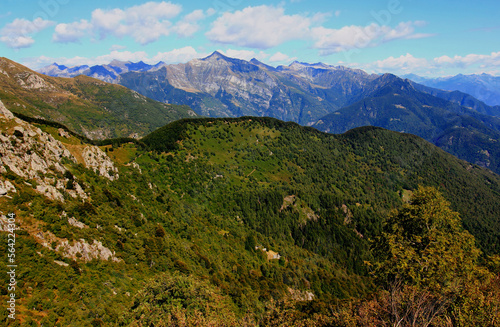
{"type": "Point", "coordinates": [257, 222]}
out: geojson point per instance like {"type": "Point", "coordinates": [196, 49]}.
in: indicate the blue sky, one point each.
{"type": "Point", "coordinates": [429, 38]}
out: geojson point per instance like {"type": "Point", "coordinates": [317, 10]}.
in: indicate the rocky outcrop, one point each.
{"type": "Point", "coordinates": [73, 222]}
{"type": "Point", "coordinates": [298, 295]}
{"type": "Point", "coordinates": [85, 251]}
{"type": "Point", "coordinates": [34, 155]}
{"type": "Point", "coordinates": [31, 81]}
{"type": "Point", "coordinates": [98, 161]}
{"type": "Point", "coordinates": [6, 187]}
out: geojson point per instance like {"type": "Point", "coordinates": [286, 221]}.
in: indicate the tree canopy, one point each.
{"type": "Point", "coordinates": [424, 244]}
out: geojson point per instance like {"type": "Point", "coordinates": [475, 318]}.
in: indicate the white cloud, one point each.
{"type": "Point", "coordinates": [281, 57]}
{"type": "Point", "coordinates": [439, 66]}
{"type": "Point", "coordinates": [145, 23]}
{"type": "Point", "coordinates": [492, 59]}
{"type": "Point", "coordinates": [189, 24]}
{"type": "Point", "coordinates": [211, 12]}
{"type": "Point", "coordinates": [407, 64]}
{"type": "Point", "coordinates": [17, 42]}
{"type": "Point", "coordinates": [73, 32]}
{"type": "Point", "coordinates": [264, 27]}
{"type": "Point", "coordinates": [330, 41]}
{"type": "Point", "coordinates": [194, 16]}
{"type": "Point", "coordinates": [18, 34]}
{"type": "Point", "coordinates": [181, 55]}
{"type": "Point", "coordinates": [117, 47]}
{"type": "Point", "coordinates": [259, 27]}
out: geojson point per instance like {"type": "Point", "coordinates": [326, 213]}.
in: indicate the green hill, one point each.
{"type": "Point", "coordinates": [216, 216]}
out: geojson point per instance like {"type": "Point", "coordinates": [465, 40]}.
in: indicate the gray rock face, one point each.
{"type": "Point", "coordinates": [32, 154]}
{"type": "Point", "coordinates": [97, 160]}
{"type": "Point", "coordinates": [86, 251]}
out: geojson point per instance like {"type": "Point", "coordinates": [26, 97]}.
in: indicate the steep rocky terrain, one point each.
{"type": "Point", "coordinates": [39, 160]}
{"type": "Point", "coordinates": [220, 86]}
{"type": "Point", "coordinates": [37, 156]}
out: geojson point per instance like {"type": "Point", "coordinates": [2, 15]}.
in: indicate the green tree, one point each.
{"type": "Point", "coordinates": [176, 300]}
{"type": "Point", "coordinates": [425, 245]}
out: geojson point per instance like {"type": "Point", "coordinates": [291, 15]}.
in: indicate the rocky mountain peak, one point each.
{"type": "Point", "coordinates": [216, 55]}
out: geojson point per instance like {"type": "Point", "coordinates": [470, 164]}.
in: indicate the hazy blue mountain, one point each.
{"type": "Point", "coordinates": [484, 87]}
{"type": "Point", "coordinates": [107, 73]}
{"type": "Point", "coordinates": [460, 98]}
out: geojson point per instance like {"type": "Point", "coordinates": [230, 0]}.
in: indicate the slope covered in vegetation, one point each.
{"type": "Point", "coordinates": [241, 221]}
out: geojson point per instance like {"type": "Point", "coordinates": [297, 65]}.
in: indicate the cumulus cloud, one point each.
{"type": "Point", "coordinates": [117, 47]}
{"type": "Point", "coordinates": [492, 59]}
{"type": "Point", "coordinates": [439, 66]}
{"type": "Point", "coordinates": [330, 41]}
{"type": "Point", "coordinates": [73, 32]}
{"type": "Point", "coordinates": [264, 27]}
{"type": "Point", "coordinates": [281, 57]}
{"type": "Point", "coordinates": [177, 55]}
{"type": "Point", "coordinates": [18, 34]}
{"type": "Point", "coordinates": [145, 23]}
{"type": "Point", "coordinates": [406, 64]}
{"type": "Point", "coordinates": [260, 27]}
{"type": "Point", "coordinates": [190, 23]}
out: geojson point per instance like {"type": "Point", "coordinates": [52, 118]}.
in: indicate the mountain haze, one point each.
{"type": "Point", "coordinates": [107, 73]}
{"type": "Point", "coordinates": [484, 87]}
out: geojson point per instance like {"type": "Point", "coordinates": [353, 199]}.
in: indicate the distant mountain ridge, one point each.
{"type": "Point", "coordinates": [220, 86]}
{"type": "Point", "coordinates": [484, 87]}
{"type": "Point", "coordinates": [107, 73]}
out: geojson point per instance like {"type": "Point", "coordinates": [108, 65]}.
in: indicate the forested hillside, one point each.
{"type": "Point", "coordinates": [232, 222]}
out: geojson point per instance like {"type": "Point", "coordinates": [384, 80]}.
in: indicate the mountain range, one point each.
{"type": "Point", "coordinates": [396, 104]}
{"type": "Point", "coordinates": [484, 87]}
{"type": "Point", "coordinates": [107, 73]}
{"type": "Point", "coordinates": [330, 98]}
